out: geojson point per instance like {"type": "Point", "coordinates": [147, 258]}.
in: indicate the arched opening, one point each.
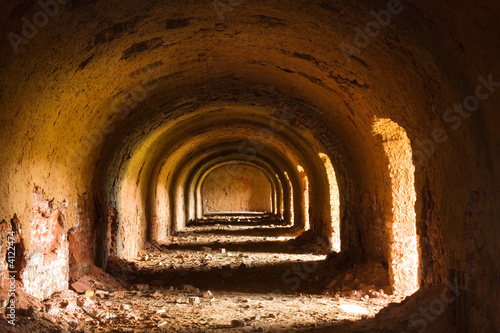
{"type": "Point", "coordinates": [305, 204]}
{"type": "Point", "coordinates": [334, 202]}
{"type": "Point", "coordinates": [112, 137]}
{"type": "Point", "coordinates": [237, 189]}
{"type": "Point", "coordinates": [231, 163]}
{"type": "Point", "coordinates": [291, 205]}
{"type": "Point", "coordinates": [400, 217]}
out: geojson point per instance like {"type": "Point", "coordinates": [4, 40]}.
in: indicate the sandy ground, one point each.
{"type": "Point", "coordinates": [218, 278]}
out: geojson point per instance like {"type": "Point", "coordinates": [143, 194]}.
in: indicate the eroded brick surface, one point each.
{"type": "Point", "coordinates": [47, 261]}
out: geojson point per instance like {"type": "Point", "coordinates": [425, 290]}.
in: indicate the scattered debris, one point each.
{"type": "Point", "coordinates": [194, 300]}
{"type": "Point", "coordinates": [248, 281]}
{"type": "Point", "coordinates": [82, 285]}
{"type": "Point", "coordinates": [237, 323]}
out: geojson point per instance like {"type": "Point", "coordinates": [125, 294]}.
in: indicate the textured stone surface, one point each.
{"type": "Point", "coordinates": [237, 188]}
{"type": "Point", "coordinates": [47, 262]}
{"type": "Point", "coordinates": [116, 104]}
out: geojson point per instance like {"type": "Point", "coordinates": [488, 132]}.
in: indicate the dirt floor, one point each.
{"type": "Point", "coordinates": [218, 278]}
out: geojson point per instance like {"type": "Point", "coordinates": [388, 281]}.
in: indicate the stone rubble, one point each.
{"type": "Point", "coordinates": [102, 303]}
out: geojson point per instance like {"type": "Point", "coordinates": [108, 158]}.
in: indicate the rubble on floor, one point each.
{"type": "Point", "coordinates": [363, 281]}
{"type": "Point", "coordinates": [96, 280]}
{"type": "Point", "coordinates": [426, 311]}
{"type": "Point", "coordinates": [259, 283]}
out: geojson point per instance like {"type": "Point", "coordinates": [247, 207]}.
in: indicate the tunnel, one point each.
{"type": "Point", "coordinates": [234, 161]}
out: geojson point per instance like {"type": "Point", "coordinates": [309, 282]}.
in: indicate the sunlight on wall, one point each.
{"type": "Point", "coordinates": [401, 219]}
{"type": "Point", "coordinates": [305, 179]}
{"type": "Point", "coordinates": [334, 202]}
{"type": "Point", "coordinates": [281, 203]}
{"type": "Point", "coordinates": [292, 214]}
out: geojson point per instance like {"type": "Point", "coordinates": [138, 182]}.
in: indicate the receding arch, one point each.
{"type": "Point", "coordinates": [237, 188]}
{"type": "Point", "coordinates": [212, 159]}
{"type": "Point", "coordinates": [334, 202]}
{"type": "Point", "coordinates": [228, 170]}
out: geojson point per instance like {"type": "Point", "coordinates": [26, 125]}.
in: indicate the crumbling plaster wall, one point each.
{"type": "Point", "coordinates": [428, 58]}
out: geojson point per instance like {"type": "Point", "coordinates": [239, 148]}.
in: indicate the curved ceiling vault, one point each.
{"type": "Point", "coordinates": [131, 167]}
{"type": "Point", "coordinates": [230, 165]}
{"type": "Point", "coordinates": [132, 100]}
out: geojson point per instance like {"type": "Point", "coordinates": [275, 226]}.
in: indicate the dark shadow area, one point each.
{"type": "Point", "coordinates": [240, 220]}
{"type": "Point", "coordinates": [342, 326]}
{"type": "Point", "coordinates": [285, 277]}
{"type": "Point", "coordinates": [270, 232]}
{"type": "Point", "coordinates": [264, 246]}
{"type": "Point", "coordinates": [234, 222]}
{"type": "Point", "coordinates": [247, 215]}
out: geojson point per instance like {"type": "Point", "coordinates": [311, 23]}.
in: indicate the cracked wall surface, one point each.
{"type": "Point", "coordinates": [114, 106]}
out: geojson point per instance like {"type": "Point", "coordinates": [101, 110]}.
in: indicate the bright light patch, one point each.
{"type": "Point", "coordinates": [292, 215]}
{"type": "Point", "coordinates": [306, 196]}
{"type": "Point", "coordinates": [401, 219]}
{"type": "Point", "coordinates": [353, 309]}
{"type": "Point", "coordinates": [334, 202]}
